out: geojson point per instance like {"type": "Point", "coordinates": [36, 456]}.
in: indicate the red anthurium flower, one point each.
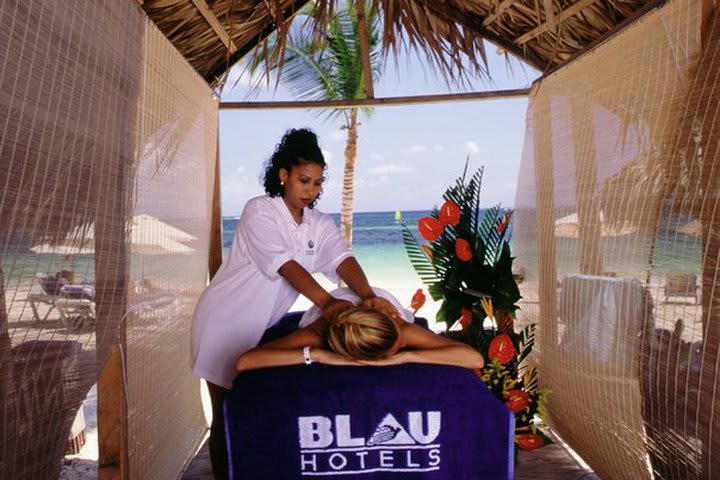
{"type": "Point", "coordinates": [505, 321]}
{"type": "Point", "coordinates": [428, 250]}
{"type": "Point", "coordinates": [529, 441]}
{"type": "Point", "coordinates": [516, 400]}
{"type": "Point", "coordinates": [430, 229]}
{"type": "Point", "coordinates": [418, 300]}
{"type": "Point", "coordinates": [501, 228]}
{"type": "Point", "coordinates": [501, 347]}
{"type": "Point", "coordinates": [465, 318]}
{"type": "Point", "coordinates": [449, 213]}
{"type": "Point", "coordinates": [462, 250]}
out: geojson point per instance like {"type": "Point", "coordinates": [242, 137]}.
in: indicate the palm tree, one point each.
{"type": "Point", "coordinates": [330, 67]}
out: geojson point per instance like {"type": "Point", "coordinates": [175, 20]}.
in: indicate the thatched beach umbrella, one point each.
{"type": "Point", "coordinates": [569, 227]}
{"type": "Point", "coordinates": [148, 235]}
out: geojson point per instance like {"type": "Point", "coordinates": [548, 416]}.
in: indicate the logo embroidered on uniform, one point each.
{"type": "Point", "coordinates": [310, 244]}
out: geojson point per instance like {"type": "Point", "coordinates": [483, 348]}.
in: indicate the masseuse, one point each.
{"type": "Point", "coordinates": [280, 241]}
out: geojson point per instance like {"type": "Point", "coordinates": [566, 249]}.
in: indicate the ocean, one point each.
{"type": "Point", "coordinates": [378, 247]}
{"type": "Point", "coordinates": [377, 244]}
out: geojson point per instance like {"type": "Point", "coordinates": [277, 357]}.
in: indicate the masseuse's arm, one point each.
{"type": "Point", "coordinates": [289, 351]}
{"type": "Point", "coordinates": [424, 346]}
{"type": "Point", "coordinates": [352, 274]}
{"type": "Point", "coordinates": [304, 283]}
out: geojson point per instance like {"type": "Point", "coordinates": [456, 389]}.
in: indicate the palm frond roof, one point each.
{"type": "Point", "coordinates": [214, 34]}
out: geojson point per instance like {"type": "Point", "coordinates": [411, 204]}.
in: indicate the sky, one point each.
{"type": "Point", "coordinates": [407, 155]}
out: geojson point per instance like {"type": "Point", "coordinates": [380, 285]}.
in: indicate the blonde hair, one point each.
{"type": "Point", "coordinates": [362, 333]}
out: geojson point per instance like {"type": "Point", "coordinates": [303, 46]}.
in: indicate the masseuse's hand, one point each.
{"type": "Point", "coordinates": [327, 357]}
{"type": "Point", "coordinates": [335, 307]}
{"type": "Point", "coordinates": [382, 305]}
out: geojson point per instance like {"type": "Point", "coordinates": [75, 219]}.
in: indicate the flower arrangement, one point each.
{"type": "Point", "coordinates": [467, 264]}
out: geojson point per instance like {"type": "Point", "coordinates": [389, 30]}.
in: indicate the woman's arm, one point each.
{"type": "Point", "coordinates": [425, 346]}
{"type": "Point", "coordinates": [352, 274]}
{"type": "Point", "coordinates": [289, 351]}
{"type": "Point", "coordinates": [303, 282]}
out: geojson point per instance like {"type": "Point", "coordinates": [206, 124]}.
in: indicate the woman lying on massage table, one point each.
{"type": "Point", "coordinates": [360, 336]}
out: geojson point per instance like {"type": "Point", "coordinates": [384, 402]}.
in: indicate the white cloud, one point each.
{"type": "Point", "coordinates": [390, 168]}
{"type": "Point", "coordinates": [327, 154]}
{"type": "Point", "coordinates": [377, 156]}
{"type": "Point", "coordinates": [337, 135]}
{"type": "Point", "coordinates": [438, 148]}
{"type": "Point", "coordinates": [418, 148]}
{"type": "Point", "coordinates": [471, 147]}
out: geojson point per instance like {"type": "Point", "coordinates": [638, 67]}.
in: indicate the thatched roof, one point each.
{"type": "Point", "coordinates": [214, 34]}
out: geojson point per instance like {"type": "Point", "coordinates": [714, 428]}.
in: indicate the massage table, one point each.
{"type": "Point", "coordinates": [413, 421]}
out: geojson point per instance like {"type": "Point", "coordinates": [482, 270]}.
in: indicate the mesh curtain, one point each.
{"type": "Point", "coordinates": [176, 141]}
{"type": "Point", "coordinates": [617, 230]}
{"type": "Point", "coordinates": [106, 152]}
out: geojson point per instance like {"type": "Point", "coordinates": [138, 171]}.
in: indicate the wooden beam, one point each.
{"type": "Point", "coordinates": [475, 24]}
{"type": "Point", "coordinates": [648, 7]}
{"type": "Point", "coordinates": [215, 24]}
{"type": "Point", "coordinates": [224, 64]}
{"type": "Point", "coordinates": [364, 47]}
{"type": "Point", "coordinates": [504, 5]}
{"type": "Point", "coordinates": [552, 22]}
{"type": "Point", "coordinates": [388, 101]}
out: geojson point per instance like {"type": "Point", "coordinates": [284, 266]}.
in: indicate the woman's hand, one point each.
{"type": "Point", "coordinates": [335, 307]}
{"type": "Point", "coordinates": [382, 305]}
{"type": "Point", "coordinates": [327, 357]}
{"type": "Point", "coordinates": [396, 359]}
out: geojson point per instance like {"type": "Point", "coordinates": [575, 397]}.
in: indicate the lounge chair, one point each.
{"type": "Point", "coordinates": [75, 304]}
{"type": "Point", "coordinates": [681, 284]}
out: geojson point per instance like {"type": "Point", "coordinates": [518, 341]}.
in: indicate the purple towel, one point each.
{"type": "Point", "coordinates": [404, 422]}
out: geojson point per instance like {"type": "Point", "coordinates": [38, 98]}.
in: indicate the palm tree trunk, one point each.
{"type": "Point", "coordinates": [346, 212]}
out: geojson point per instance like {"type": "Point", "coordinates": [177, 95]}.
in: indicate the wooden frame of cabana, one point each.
{"type": "Point", "coordinates": [538, 44]}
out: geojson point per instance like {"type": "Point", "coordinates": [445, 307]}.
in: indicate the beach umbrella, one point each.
{"type": "Point", "coordinates": [148, 236]}
{"type": "Point", "coordinates": [569, 227]}
{"type": "Point", "coordinates": [693, 229]}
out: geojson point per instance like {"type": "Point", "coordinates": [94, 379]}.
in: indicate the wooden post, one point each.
{"type": "Point", "coordinates": [112, 419]}
{"type": "Point", "coordinates": [586, 185]}
{"type": "Point", "coordinates": [216, 236]}
{"type": "Point", "coordinates": [708, 9]}
{"type": "Point", "coordinates": [110, 299]}
{"type": "Point", "coordinates": [111, 263]}
{"type": "Point", "coordinates": [545, 205]}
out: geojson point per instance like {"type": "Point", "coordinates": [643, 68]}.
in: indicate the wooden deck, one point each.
{"type": "Point", "coordinates": [551, 462]}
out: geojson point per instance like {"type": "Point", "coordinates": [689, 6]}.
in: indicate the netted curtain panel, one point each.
{"type": "Point", "coordinates": [107, 142]}
{"type": "Point", "coordinates": [617, 229]}
{"type": "Point", "coordinates": [176, 145]}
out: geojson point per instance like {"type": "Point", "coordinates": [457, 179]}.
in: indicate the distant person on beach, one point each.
{"type": "Point", "coordinates": [279, 242]}
{"type": "Point", "coordinates": [360, 336]}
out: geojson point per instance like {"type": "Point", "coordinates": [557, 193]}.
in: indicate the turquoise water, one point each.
{"type": "Point", "coordinates": [377, 244]}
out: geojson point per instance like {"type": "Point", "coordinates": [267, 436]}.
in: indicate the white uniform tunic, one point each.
{"type": "Point", "coordinates": [248, 295]}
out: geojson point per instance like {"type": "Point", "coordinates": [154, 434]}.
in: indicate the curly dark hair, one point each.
{"type": "Point", "coordinates": [297, 146]}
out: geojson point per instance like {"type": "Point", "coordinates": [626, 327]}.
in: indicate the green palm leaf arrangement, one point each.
{"type": "Point", "coordinates": [487, 273]}
{"type": "Point", "coordinates": [467, 265]}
